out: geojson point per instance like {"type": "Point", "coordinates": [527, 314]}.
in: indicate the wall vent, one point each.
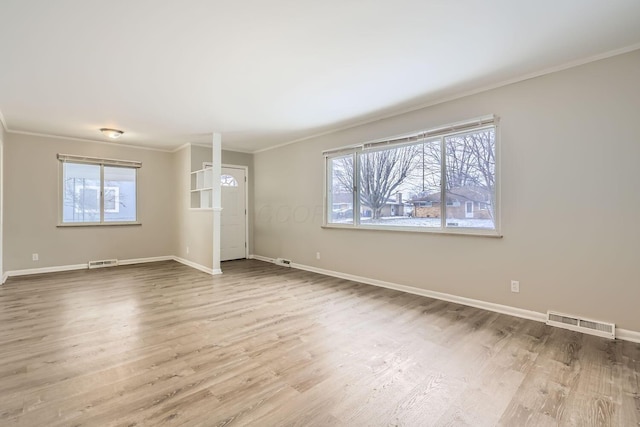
{"type": "Point", "coordinates": [283, 262]}
{"type": "Point", "coordinates": [587, 326]}
{"type": "Point", "coordinates": [103, 263]}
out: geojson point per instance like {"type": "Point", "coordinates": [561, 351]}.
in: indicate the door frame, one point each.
{"type": "Point", "coordinates": [246, 202]}
{"type": "Point", "coordinates": [468, 214]}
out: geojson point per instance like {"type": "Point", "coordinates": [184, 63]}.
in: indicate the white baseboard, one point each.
{"type": "Point", "coordinates": [42, 270]}
{"type": "Point", "coordinates": [131, 261]}
{"type": "Point", "coordinates": [622, 334]}
{"type": "Point", "coordinates": [627, 335]}
{"type": "Point", "coordinates": [197, 266]}
{"type": "Point", "coordinates": [498, 308]}
{"type": "Point", "coordinates": [145, 260]}
{"type": "Point", "coordinates": [262, 258]}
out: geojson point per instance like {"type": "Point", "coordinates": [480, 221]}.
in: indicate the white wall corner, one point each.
{"type": "Point", "coordinates": [216, 199]}
{"type": "Point", "coordinates": [263, 258]}
{"type": "Point", "coordinates": [197, 266]}
{"type": "Point", "coordinates": [3, 122]}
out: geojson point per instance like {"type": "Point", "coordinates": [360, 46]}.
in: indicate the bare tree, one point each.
{"type": "Point", "coordinates": [469, 170]}
{"type": "Point", "coordinates": [380, 173]}
{"type": "Point", "coordinates": [470, 160]}
{"type": "Point", "coordinates": [471, 165]}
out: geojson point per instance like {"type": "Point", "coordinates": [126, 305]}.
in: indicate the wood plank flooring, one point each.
{"type": "Point", "coordinates": [164, 344]}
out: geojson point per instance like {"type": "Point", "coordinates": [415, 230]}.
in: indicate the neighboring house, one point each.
{"type": "Point", "coordinates": [342, 206]}
{"type": "Point", "coordinates": [341, 201]}
{"type": "Point", "coordinates": [393, 207]}
{"type": "Point", "coordinates": [462, 202]}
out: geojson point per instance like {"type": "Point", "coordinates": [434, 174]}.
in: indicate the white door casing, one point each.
{"type": "Point", "coordinates": [233, 221]}
{"type": "Point", "coordinates": [468, 209]}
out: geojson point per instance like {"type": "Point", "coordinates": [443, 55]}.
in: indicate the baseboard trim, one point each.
{"type": "Point", "coordinates": [43, 270]}
{"type": "Point", "coordinates": [145, 260]}
{"type": "Point", "coordinates": [498, 308]}
{"type": "Point", "coordinates": [262, 258]}
{"type": "Point", "coordinates": [59, 268]}
{"type": "Point", "coordinates": [621, 334]}
{"type": "Point", "coordinates": [197, 266]}
{"type": "Point", "coordinates": [627, 335]}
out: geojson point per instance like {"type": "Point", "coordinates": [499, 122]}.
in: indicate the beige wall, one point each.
{"type": "Point", "coordinates": [235, 158]}
{"type": "Point", "coordinates": [199, 155]}
{"type": "Point", "coordinates": [195, 227]}
{"type": "Point", "coordinates": [570, 145]}
{"type": "Point", "coordinates": [31, 206]}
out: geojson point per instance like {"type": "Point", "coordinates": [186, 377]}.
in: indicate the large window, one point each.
{"type": "Point", "coordinates": [440, 180]}
{"type": "Point", "coordinates": [98, 191]}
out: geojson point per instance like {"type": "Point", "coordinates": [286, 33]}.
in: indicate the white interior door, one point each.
{"type": "Point", "coordinates": [233, 219]}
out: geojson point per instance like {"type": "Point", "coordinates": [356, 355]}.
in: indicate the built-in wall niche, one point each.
{"type": "Point", "coordinates": [202, 188]}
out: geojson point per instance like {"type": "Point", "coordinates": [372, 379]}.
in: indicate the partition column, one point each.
{"type": "Point", "coordinates": [216, 201]}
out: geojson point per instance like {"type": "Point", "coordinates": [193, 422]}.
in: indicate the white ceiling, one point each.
{"type": "Point", "coordinates": [267, 72]}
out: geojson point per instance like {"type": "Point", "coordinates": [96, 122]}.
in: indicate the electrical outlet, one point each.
{"type": "Point", "coordinates": [34, 257]}
{"type": "Point", "coordinates": [317, 255]}
{"type": "Point", "coordinates": [515, 286]}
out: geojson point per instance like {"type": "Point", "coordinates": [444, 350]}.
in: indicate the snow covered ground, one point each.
{"type": "Point", "coordinates": [402, 221]}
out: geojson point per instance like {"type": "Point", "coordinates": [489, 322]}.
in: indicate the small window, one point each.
{"type": "Point", "coordinates": [98, 193]}
{"type": "Point", "coordinates": [228, 181]}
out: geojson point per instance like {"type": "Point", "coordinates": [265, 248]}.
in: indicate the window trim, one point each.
{"type": "Point", "coordinates": [126, 164]}
{"type": "Point", "coordinates": [477, 124]}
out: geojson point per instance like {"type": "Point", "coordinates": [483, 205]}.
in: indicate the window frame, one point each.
{"type": "Point", "coordinates": [441, 133]}
{"type": "Point", "coordinates": [102, 163]}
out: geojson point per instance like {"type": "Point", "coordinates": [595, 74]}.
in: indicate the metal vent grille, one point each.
{"type": "Point", "coordinates": [587, 326]}
{"type": "Point", "coordinates": [283, 262]}
{"type": "Point", "coordinates": [103, 263]}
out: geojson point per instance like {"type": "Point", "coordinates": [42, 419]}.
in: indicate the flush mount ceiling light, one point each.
{"type": "Point", "coordinates": [112, 133]}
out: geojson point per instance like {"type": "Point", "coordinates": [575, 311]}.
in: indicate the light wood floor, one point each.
{"type": "Point", "coordinates": [163, 344]}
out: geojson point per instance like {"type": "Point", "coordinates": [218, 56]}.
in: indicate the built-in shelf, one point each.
{"type": "Point", "coordinates": [202, 189]}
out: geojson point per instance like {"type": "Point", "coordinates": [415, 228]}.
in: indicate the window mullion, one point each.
{"type": "Point", "coordinates": [443, 184]}
{"type": "Point", "coordinates": [101, 193]}
{"type": "Point", "coordinates": [356, 189]}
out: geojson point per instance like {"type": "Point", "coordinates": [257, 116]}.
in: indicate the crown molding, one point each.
{"type": "Point", "coordinates": [181, 147]}
{"type": "Point", "coordinates": [72, 138]}
{"type": "Point", "coordinates": [3, 122]}
{"type": "Point", "coordinates": [551, 70]}
{"type": "Point", "coordinates": [397, 113]}
{"type": "Point", "coordinates": [236, 150]}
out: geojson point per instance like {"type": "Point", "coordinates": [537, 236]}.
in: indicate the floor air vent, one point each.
{"type": "Point", "coordinates": [587, 326]}
{"type": "Point", "coordinates": [283, 262]}
{"type": "Point", "coordinates": [103, 263]}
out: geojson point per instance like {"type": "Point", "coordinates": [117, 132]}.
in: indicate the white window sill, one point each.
{"type": "Point", "coordinates": [448, 231]}
{"type": "Point", "coordinates": [97, 224]}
